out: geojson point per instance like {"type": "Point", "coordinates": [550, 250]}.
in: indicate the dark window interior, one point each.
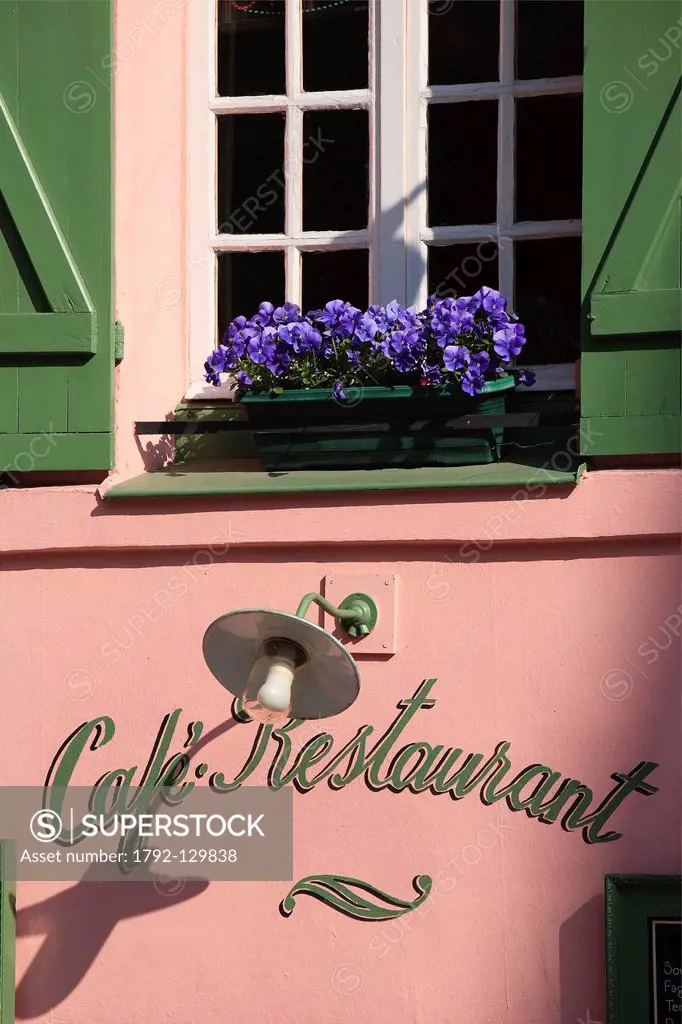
{"type": "Point", "coordinates": [335, 275]}
{"type": "Point", "coordinates": [549, 38]}
{"type": "Point", "coordinates": [548, 298]}
{"type": "Point", "coordinates": [335, 45]}
{"type": "Point", "coordinates": [462, 163]}
{"type": "Point", "coordinates": [335, 170]}
{"type": "Point", "coordinates": [250, 181]}
{"type": "Point", "coordinates": [464, 40]}
{"type": "Point", "coordinates": [251, 54]}
{"type": "Point", "coordinates": [548, 157]}
{"type": "Point", "coordinates": [462, 269]}
{"type": "Point", "coordinates": [245, 279]}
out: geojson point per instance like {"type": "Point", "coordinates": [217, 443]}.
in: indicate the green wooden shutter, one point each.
{"type": "Point", "coordinates": [632, 170]}
{"type": "Point", "coordinates": [56, 324]}
{"type": "Point", "coordinates": [7, 932]}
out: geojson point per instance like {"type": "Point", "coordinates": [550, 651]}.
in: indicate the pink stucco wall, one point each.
{"type": "Point", "coordinates": [560, 636]}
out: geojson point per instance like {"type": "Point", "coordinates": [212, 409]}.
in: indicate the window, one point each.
{"type": "Point", "coordinates": [374, 150]}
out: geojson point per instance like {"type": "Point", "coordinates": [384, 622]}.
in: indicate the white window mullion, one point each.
{"type": "Point", "coordinates": [450, 234]}
{"type": "Point", "coordinates": [200, 269]}
{"type": "Point", "coordinates": [506, 170]}
{"type": "Point", "coordinates": [293, 178]}
{"type": "Point", "coordinates": [416, 208]}
{"type": "Point", "coordinates": [293, 150]}
{"type": "Point", "coordinates": [389, 148]}
{"type": "Point", "coordinates": [307, 240]}
{"type": "Point", "coordinates": [469, 91]}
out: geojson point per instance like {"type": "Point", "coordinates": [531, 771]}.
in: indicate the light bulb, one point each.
{"type": "Point", "coordinates": [275, 693]}
{"type": "Point", "coordinates": [269, 700]}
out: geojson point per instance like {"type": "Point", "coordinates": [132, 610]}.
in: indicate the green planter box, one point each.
{"type": "Point", "coordinates": [378, 427]}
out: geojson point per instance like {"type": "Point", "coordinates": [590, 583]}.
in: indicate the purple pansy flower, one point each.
{"type": "Point", "coordinates": [400, 316]}
{"type": "Point", "coordinates": [366, 328]}
{"type": "Point", "coordinates": [283, 355]}
{"type": "Point", "coordinates": [468, 303]}
{"type": "Point", "coordinates": [216, 361]}
{"type": "Point", "coordinates": [264, 315]}
{"type": "Point", "coordinates": [479, 362]}
{"type": "Point", "coordinates": [337, 390]}
{"type": "Point", "coordinates": [286, 314]}
{"type": "Point", "coordinates": [526, 377]}
{"type": "Point", "coordinates": [472, 382]}
{"type": "Point", "coordinates": [302, 337]}
{"type": "Point", "coordinates": [260, 345]}
{"type": "Point", "coordinates": [233, 333]}
{"type": "Point", "coordinates": [455, 357]}
{"type": "Point", "coordinates": [508, 342]}
{"type": "Point", "coordinates": [491, 301]}
{"type": "Point", "coordinates": [404, 361]}
{"type": "Point", "coordinates": [405, 341]}
{"type": "Point", "coordinates": [339, 317]}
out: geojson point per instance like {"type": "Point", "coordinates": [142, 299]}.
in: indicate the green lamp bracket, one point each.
{"type": "Point", "coordinates": [357, 613]}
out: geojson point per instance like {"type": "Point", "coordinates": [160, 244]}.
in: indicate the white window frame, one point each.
{"type": "Point", "coordinates": [398, 235]}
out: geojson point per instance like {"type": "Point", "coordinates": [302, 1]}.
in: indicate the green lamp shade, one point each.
{"type": "Point", "coordinates": [236, 645]}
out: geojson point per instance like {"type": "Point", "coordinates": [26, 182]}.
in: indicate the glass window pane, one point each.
{"type": "Point", "coordinates": [549, 38]}
{"type": "Point", "coordinates": [461, 269]}
{"type": "Point", "coordinates": [335, 45]}
{"type": "Point", "coordinates": [251, 48]}
{"type": "Point", "coordinates": [245, 279]}
{"type": "Point", "coordinates": [462, 163]}
{"type": "Point", "coordinates": [464, 39]}
{"type": "Point", "coordinates": [548, 298]}
{"type": "Point", "coordinates": [335, 275]}
{"type": "Point", "coordinates": [250, 176]}
{"type": "Point", "coordinates": [548, 157]}
{"type": "Point", "coordinates": [335, 170]}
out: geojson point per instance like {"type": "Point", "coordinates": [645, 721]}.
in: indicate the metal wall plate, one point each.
{"type": "Point", "coordinates": [383, 588]}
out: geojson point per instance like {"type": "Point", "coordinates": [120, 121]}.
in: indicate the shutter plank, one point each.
{"type": "Point", "coordinates": [91, 386]}
{"type": "Point", "coordinates": [47, 333]}
{"type": "Point", "coordinates": [633, 312]}
{"type": "Point", "coordinates": [53, 451]}
{"type": "Point", "coordinates": [9, 400]}
{"type": "Point", "coordinates": [42, 399]}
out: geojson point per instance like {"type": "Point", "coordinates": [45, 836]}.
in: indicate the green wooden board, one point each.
{"type": "Point", "coordinates": [56, 237]}
{"type": "Point", "coordinates": [632, 196]}
{"type": "Point", "coordinates": [7, 932]}
{"type": "Point", "coordinates": [633, 902]}
{"type": "Point", "coordinates": [177, 482]}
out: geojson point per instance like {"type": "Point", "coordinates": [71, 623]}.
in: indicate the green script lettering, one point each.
{"type": "Point", "coordinates": [418, 766]}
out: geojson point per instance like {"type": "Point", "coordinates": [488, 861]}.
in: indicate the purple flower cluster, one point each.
{"type": "Point", "coordinates": [270, 339]}
{"type": "Point", "coordinates": [466, 340]}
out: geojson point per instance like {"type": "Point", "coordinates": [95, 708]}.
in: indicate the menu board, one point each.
{"type": "Point", "coordinates": [666, 971]}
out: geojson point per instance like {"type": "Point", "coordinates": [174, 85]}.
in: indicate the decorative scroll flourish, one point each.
{"type": "Point", "coordinates": [335, 892]}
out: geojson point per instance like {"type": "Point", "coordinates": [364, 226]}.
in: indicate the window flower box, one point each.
{"type": "Point", "coordinates": [388, 387]}
{"type": "Point", "coordinates": [376, 427]}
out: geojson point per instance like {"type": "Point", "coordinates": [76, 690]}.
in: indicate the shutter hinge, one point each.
{"type": "Point", "coordinates": [119, 341]}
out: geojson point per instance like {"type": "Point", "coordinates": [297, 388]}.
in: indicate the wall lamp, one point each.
{"type": "Point", "coordinates": [282, 665]}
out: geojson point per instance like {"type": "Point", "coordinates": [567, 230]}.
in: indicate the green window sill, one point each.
{"type": "Point", "coordinates": [247, 478]}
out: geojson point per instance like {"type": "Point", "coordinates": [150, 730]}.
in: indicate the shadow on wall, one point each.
{"type": "Point", "coordinates": [582, 1001]}
{"type": "Point", "coordinates": [76, 924]}
{"type": "Point", "coordinates": [78, 921]}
